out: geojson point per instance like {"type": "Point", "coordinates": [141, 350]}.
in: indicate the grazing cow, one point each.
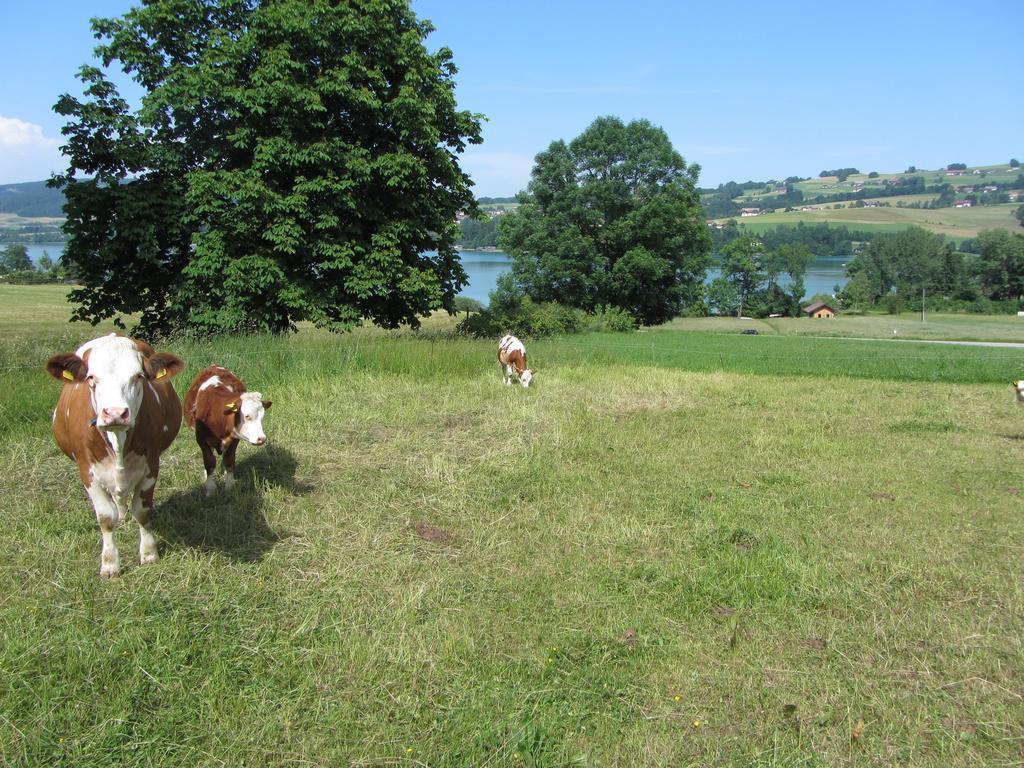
{"type": "Point", "coordinates": [512, 358]}
{"type": "Point", "coordinates": [116, 414]}
{"type": "Point", "coordinates": [220, 410]}
{"type": "Point", "coordinates": [1018, 388]}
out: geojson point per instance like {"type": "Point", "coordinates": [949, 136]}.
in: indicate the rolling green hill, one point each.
{"type": "Point", "coordinates": [32, 199]}
{"type": "Point", "coordinates": [872, 206]}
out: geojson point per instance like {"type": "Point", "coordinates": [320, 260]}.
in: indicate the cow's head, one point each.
{"type": "Point", "coordinates": [250, 408]}
{"type": "Point", "coordinates": [526, 377]}
{"type": "Point", "coordinates": [116, 370]}
{"type": "Point", "coordinates": [1018, 388]}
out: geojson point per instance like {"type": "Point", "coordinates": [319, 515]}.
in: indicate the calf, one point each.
{"type": "Point", "coordinates": [116, 414]}
{"type": "Point", "coordinates": [220, 410]}
{"type": "Point", "coordinates": [512, 359]}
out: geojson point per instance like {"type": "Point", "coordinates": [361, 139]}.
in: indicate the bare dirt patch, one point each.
{"type": "Point", "coordinates": [433, 534]}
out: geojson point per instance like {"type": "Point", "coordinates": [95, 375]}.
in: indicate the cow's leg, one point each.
{"type": "Point", "coordinates": [142, 511]}
{"type": "Point", "coordinates": [210, 465]}
{"type": "Point", "coordinates": [508, 375]}
{"type": "Point", "coordinates": [229, 465]}
{"type": "Point", "coordinates": [106, 516]}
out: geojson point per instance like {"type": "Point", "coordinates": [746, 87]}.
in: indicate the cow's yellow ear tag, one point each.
{"type": "Point", "coordinates": [67, 375]}
{"type": "Point", "coordinates": [163, 372]}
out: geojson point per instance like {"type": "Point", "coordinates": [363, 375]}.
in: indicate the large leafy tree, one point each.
{"type": "Point", "coordinates": [14, 258]}
{"type": "Point", "coordinates": [906, 262]}
{"type": "Point", "coordinates": [754, 276]}
{"type": "Point", "coordinates": [290, 160]}
{"type": "Point", "coordinates": [1000, 266]}
{"type": "Point", "coordinates": [611, 218]}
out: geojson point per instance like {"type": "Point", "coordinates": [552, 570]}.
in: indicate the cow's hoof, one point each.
{"type": "Point", "coordinates": [109, 571]}
{"type": "Point", "coordinates": [209, 489]}
{"type": "Point", "coordinates": [149, 557]}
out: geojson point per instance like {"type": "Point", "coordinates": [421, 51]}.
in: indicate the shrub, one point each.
{"type": "Point", "coordinates": [892, 303]}
{"type": "Point", "coordinates": [609, 318]}
{"type": "Point", "coordinates": [29, 277]}
{"type": "Point", "coordinates": [526, 318]}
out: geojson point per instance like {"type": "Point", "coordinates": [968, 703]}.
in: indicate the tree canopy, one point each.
{"type": "Point", "coordinates": [751, 278]}
{"type": "Point", "coordinates": [901, 264]}
{"type": "Point", "coordinates": [14, 258]}
{"type": "Point", "coordinates": [611, 218]}
{"type": "Point", "coordinates": [290, 160]}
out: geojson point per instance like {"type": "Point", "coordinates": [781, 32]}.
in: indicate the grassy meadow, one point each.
{"type": "Point", "coordinates": [676, 549]}
{"type": "Point", "coordinates": [956, 223]}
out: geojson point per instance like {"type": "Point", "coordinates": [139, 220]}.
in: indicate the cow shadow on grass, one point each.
{"type": "Point", "coordinates": [231, 522]}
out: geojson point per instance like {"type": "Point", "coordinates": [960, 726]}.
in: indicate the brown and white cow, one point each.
{"type": "Point", "coordinates": [222, 412]}
{"type": "Point", "coordinates": [512, 359]}
{"type": "Point", "coordinates": [116, 414]}
{"type": "Point", "coordinates": [1018, 389]}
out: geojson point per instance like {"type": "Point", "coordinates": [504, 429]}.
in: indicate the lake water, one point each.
{"type": "Point", "coordinates": [36, 250]}
{"type": "Point", "coordinates": [483, 268]}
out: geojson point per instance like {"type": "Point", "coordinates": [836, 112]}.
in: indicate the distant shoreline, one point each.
{"type": "Point", "coordinates": [480, 249]}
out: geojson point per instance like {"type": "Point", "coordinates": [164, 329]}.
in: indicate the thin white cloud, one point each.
{"type": "Point", "coordinates": [26, 153]}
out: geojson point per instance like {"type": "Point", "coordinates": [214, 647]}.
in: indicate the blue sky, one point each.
{"type": "Point", "coordinates": [750, 90]}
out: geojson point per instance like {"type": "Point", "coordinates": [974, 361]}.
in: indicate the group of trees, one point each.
{"type": "Point", "coordinates": [842, 174]}
{"type": "Point", "coordinates": [479, 232]}
{"type": "Point", "coordinates": [896, 268]}
{"type": "Point", "coordinates": [612, 218]}
{"type": "Point", "coordinates": [298, 160]}
{"type": "Point", "coordinates": [17, 267]}
{"type": "Point", "coordinates": [821, 239]}
{"type": "Point", "coordinates": [751, 281]}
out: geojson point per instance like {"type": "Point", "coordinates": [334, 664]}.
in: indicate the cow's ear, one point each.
{"type": "Point", "coordinates": [231, 407]}
{"type": "Point", "coordinates": [163, 365]}
{"type": "Point", "coordinates": [144, 348]}
{"type": "Point", "coordinates": [66, 367]}
{"type": "Point", "coordinates": [267, 404]}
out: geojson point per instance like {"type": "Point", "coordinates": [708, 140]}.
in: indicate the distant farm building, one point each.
{"type": "Point", "coordinates": [819, 309]}
{"type": "Point", "coordinates": [964, 203]}
{"type": "Point", "coordinates": [750, 211]}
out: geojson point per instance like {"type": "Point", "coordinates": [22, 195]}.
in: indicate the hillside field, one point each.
{"type": "Point", "coordinates": [956, 223]}
{"type": "Point", "coordinates": [677, 548]}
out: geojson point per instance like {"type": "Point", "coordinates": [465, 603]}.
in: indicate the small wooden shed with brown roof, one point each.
{"type": "Point", "coordinates": [819, 309]}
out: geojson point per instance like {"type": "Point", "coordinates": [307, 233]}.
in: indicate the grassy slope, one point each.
{"type": "Point", "coordinates": [633, 563]}
{"type": "Point", "coordinates": [957, 223]}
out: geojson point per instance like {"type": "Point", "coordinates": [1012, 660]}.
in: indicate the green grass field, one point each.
{"type": "Point", "coordinates": [906, 325]}
{"type": "Point", "coordinates": [675, 549]}
{"type": "Point", "coordinates": [957, 223]}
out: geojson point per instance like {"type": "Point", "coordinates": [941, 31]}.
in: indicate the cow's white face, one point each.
{"type": "Point", "coordinates": [1018, 388]}
{"type": "Point", "coordinates": [250, 425]}
{"type": "Point", "coordinates": [526, 377]}
{"type": "Point", "coordinates": [116, 372]}
{"type": "Point", "coordinates": [116, 377]}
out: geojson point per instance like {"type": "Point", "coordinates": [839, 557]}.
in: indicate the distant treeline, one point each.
{"type": "Point", "coordinates": [840, 173]}
{"type": "Point", "coordinates": [33, 233]}
{"type": "Point", "coordinates": [479, 233]}
{"type": "Point", "coordinates": [721, 203]}
{"type": "Point", "coordinates": [820, 239]}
